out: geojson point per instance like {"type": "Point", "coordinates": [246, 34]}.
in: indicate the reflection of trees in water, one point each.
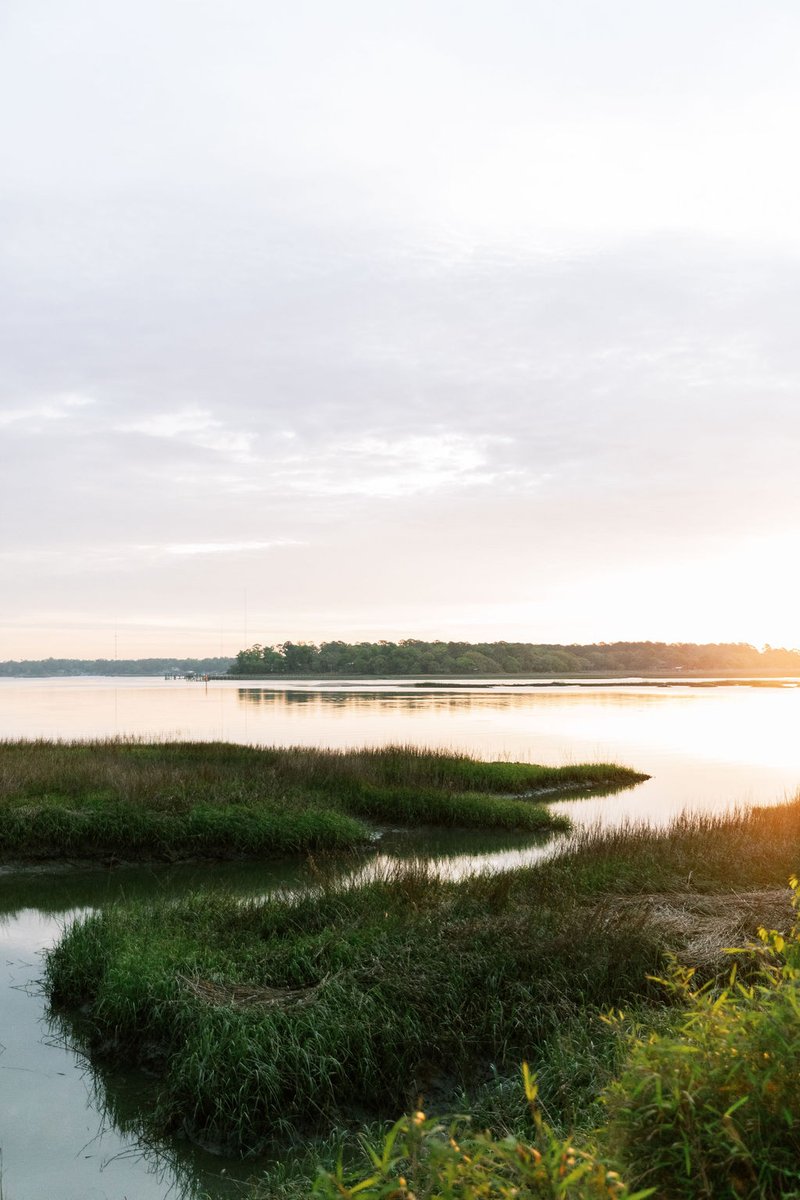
{"type": "Point", "coordinates": [378, 701]}
{"type": "Point", "coordinates": [617, 696]}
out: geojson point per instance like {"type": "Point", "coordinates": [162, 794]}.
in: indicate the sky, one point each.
{"type": "Point", "coordinates": [365, 320]}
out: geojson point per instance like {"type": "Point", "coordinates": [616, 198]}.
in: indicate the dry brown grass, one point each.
{"type": "Point", "coordinates": [243, 995]}
{"type": "Point", "coordinates": [700, 927]}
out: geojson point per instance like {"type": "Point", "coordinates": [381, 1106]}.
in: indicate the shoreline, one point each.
{"type": "Point", "coordinates": [116, 801]}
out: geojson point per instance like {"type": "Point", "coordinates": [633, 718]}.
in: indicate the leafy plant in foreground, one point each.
{"type": "Point", "coordinates": [712, 1109]}
{"type": "Point", "coordinates": [423, 1159]}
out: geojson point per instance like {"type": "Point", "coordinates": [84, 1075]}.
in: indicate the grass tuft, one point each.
{"type": "Point", "coordinates": [293, 1012]}
{"type": "Point", "coordinates": [277, 1015]}
{"type": "Point", "coordinates": [134, 800]}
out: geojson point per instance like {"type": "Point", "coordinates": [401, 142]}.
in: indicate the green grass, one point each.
{"type": "Point", "coordinates": [293, 1013]}
{"type": "Point", "coordinates": [712, 1107]}
{"type": "Point", "coordinates": [745, 848]}
{"type": "Point", "coordinates": [136, 800]}
{"type": "Point", "coordinates": [704, 1108]}
{"type": "Point", "coordinates": [360, 998]}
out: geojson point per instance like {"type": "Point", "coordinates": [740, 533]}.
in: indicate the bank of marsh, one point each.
{"type": "Point", "coordinates": [294, 1012]}
{"type": "Point", "coordinates": [136, 800]}
{"type": "Point", "coordinates": [282, 1015]}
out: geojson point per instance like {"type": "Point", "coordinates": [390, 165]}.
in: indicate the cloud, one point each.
{"type": "Point", "coordinates": [195, 427]}
{"type": "Point", "coordinates": [393, 467]}
{"type": "Point", "coordinates": [34, 415]}
{"type": "Point", "coordinates": [195, 548]}
{"type": "Point", "coordinates": [86, 558]}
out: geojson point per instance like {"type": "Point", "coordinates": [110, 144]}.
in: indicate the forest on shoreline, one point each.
{"type": "Point", "coordinates": [44, 668]}
{"type": "Point", "coordinates": [413, 657]}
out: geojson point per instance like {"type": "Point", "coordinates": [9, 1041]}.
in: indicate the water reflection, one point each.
{"type": "Point", "coordinates": [121, 1099]}
{"type": "Point", "coordinates": [63, 892]}
{"type": "Point", "coordinates": [72, 1129]}
{"type": "Point", "coordinates": [387, 701]}
{"type": "Point", "coordinates": [54, 1141]}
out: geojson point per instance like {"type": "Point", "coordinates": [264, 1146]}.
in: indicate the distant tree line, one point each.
{"type": "Point", "coordinates": [413, 657]}
{"type": "Point", "coordinates": [44, 667]}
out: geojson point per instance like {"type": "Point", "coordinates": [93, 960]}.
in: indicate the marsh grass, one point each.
{"type": "Point", "coordinates": [704, 1105]}
{"type": "Point", "coordinates": [711, 1107]}
{"type": "Point", "coordinates": [419, 985]}
{"type": "Point", "coordinates": [415, 984]}
{"type": "Point", "coordinates": [743, 849]}
{"type": "Point", "coordinates": [139, 800]}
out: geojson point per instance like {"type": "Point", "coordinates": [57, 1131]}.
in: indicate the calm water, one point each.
{"type": "Point", "coordinates": [705, 748]}
{"type": "Point", "coordinates": [62, 1128]}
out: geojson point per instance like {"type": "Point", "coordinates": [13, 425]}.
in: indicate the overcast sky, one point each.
{"type": "Point", "coordinates": [359, 319]}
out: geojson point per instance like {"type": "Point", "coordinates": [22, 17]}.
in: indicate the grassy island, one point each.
{"type": "Point", "coordinates": [139, 801]}
{"type": "Point", "coordinates": [282, 1016]}
{"type": "Point", "coordinates": [294, 1014]}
